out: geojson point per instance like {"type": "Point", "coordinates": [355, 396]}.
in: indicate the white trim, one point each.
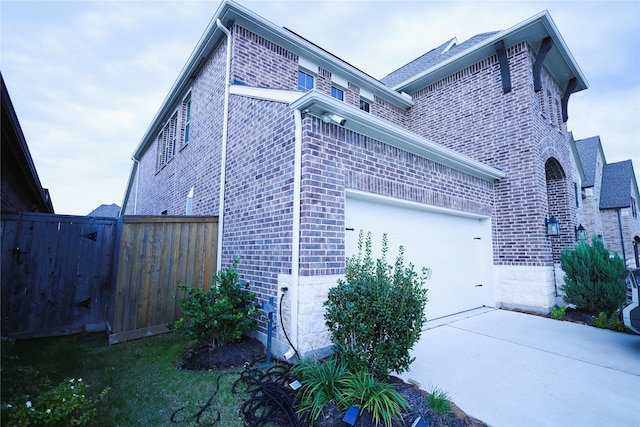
{"type": "Point", "coordinates": [392, 201]}
{"type": "Point", "coordinates": [223, 149]}
{"type": "Point", "coordinates": [295, 239]}
{"type": "Point", "coordinates": [307, 65]}
{"type": "Point", "coordinates": [359, 121]}
{"type": "Point", "coordinates": [339, 81]}
{"type": "Point", "coordinates": [277, 95]}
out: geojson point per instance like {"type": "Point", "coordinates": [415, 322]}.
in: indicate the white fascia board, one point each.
{"type": "Point", "coordinates": [229, 12]}
{"type": "Point", "coordinates": [532, 30]}
{"type": "Point", "coordinates": [393, 201]}
{"type": "Point", "coordinates": [317, 103]}
{"type": "Point", "coordinates": [303, 48]}
{"type": "Point", "coordinates": [276, 95]}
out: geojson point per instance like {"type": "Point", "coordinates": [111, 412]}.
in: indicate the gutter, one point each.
{"type": "Point", "coordinates": [295, 238]}
{"type": "Point", "coordinates": [624, 255]}
{"type": "Point", "coordinates": [223, 154]}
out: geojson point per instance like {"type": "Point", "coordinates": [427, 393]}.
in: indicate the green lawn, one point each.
{"type": "Point", "coordinates": [146, 388]}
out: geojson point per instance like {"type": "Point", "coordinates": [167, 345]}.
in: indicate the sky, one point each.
{"type": "Point", "coordinates": [86, 78]}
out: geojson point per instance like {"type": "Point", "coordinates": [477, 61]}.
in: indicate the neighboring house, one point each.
{"type": "Point", "coordinates": [610, 197]}
{"type": "Point", "coordinates": [21, 187]}
{"type": "Point", "coordinates": [460, 156]}
{"type": "Point", "coordinates": [108, 211]}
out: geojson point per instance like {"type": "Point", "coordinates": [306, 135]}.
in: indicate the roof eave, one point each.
{"type": "Point", "coordinates": [230, 12]}
{"type": "Point", "coordinates": [559, 60]}
{"type": "Point", "coordinates": [364, 123]}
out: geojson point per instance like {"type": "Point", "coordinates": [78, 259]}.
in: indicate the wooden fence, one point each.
{"type": "Point", "coordinates": [56, 273]}
{"type": "Point", "coordinates": [64, 274]}
{"type": "Point", "coordinates": [155, 255]}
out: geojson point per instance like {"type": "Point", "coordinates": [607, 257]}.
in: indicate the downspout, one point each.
{"type": "Point", "coordinates": [295, 239]}
{"type": "Point", "coordinates": [223, 154]}
{"type": "Point", "coordinates": [135, 199]}
{"type": "Point", "coordinates": [624, 256]}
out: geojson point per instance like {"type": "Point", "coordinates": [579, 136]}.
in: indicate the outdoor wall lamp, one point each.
{"type": "Point", "coordinates": [581, 233]}
{"type": "Point", "coordinates": [333, 118]}
{"type": "Point", "coordinates": [553, 226]}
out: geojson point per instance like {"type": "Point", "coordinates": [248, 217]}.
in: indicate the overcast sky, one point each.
{"type": "Point", "coordinates": [86, 78]}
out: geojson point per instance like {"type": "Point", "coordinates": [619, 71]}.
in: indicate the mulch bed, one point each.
{"type": "Point", "coordinates": [249, 352]}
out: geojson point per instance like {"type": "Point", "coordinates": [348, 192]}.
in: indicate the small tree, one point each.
{"type": "Point", "coordinates": [593, 279]}
{"type": "Point", "coordinates": [376, 314]}
{"type": "Point", "coordinates": [222, 313]}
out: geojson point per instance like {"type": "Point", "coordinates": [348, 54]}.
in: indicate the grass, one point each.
{"type": "Point", "coordinates": [146, 388]}
{"type": "Point", "coordinates": [439, 401]}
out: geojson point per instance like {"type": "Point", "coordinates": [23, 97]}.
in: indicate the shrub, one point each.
{"type": "Point", "coordinates": [363, 390]}
{"type": "Point", "coordinates": [612, 322]}
{"type": "Point", "coordinates": [593, 279]}
{"type": "Point", "coordinates": [376, 314]}
{"type": "Point", "coordinates": [66, 404]}
{"type": "Point", "coordinates": [330, 381]}
{"type": "Point", "coordinates": [321, 380]}
{"type": "Point", "coordinates": [558, 313]}
{"type": "Point", "coordinates": [220, 314]}
{"type": "Point", "coordinates": [439, 401]}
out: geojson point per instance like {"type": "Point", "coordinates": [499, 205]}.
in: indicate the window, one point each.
{"type": "Point", "coordinates": [305, 81]}
{"type": "Point", "coordinates": [167, 140]}
{"type": "Point", "coordinates": [634, 209]}
{"type": "Point", "coordinates": [365, 106]}
{"type": "Point", "coordinates": [337, 93]}
{"type": "Point", "coordinates": [575, 190]}
{"type": "Point", "coordinates": [186, 118]}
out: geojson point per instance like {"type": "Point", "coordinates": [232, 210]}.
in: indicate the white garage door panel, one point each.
{"type": "Point", "coordinates": [453, 247]}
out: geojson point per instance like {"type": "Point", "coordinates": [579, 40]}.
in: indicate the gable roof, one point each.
{"type": "Point", "coordinates": [432, 58]}
{"type": "Point", "coordinates": [230, 13]}
{"type": "Point", "coordinates": [15, 152]}
{"type": "Point", "coordinates": [588, 150]}
{"type": "Point", "coordinates": [558, 61]}
{"type": "Point", "coordinates": [617, 179]}
{"type": "Point", "coordinates": [109, 211]}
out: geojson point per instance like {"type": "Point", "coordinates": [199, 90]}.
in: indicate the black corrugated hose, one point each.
{"type": "Point", "coordinates": [272, 401]}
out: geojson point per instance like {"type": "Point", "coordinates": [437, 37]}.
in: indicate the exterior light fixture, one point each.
{"type": "Point", "coordinates": [581, 233]}
{"type": "Point", "coordinates": [553, 226]}
{"type": "Point", "coordinates": [333, 118]}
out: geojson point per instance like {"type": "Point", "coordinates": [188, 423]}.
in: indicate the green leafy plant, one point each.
{"type": "Point", "coordinates": [376, 314]}
{"type": "Point", "coordinates": [220, 314]}
{"type": "Point", "coordinates": [439, 401]}
{"type": "Point", "coordinates": [558, 313]}
{"type": "Point", "coordinates": [363, 390]}
{"type": "Point", "coordinates": [65, 404]}
{"type": "Point", "coordinates": [593, 279]}
{"type": "Point", "coordinates": [321, 381]}
{"type": "Point", "coordinates": [612, 322]}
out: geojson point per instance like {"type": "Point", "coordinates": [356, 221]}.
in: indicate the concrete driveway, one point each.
{"type": "Point", "coordinates": [518, 370]}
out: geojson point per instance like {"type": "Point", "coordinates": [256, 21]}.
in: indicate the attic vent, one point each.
{"type": "Point", "coordinates": [452, 43]}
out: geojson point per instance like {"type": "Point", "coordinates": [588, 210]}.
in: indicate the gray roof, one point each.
{"type": "Point", "coordinates": [616, 185]}
{"type": "Point", "coordinates": [588, 151]}
{"type": "Point", "coordinates": [108, 211]}
{"type": "Point", "coordinates": [431, 58]}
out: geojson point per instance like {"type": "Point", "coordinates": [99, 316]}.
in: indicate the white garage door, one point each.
{"type": "Point", "coordinates": [456, 248]}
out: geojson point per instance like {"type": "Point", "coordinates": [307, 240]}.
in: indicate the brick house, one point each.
{"type": "Point", "coordinates": [459, 156]}
{"type": "Point", "coordinates": [610, 200]}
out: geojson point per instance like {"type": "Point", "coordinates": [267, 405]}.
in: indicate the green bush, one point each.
{"type": "Point", "coordinates": [330, 381]}
{"type": "Point", "coordinates": [30, 399]}
{"type": "Point", "coordinates": [439, 401]}
{"type": "Point", "coordinates": [220, 314]}
{"type": "Point", "coordinates": [593, 279]}
{"type": "Point", "coordinates": [612, 322]}
{"type": "Point", "coordinates": [321, 382]}
{"type": "Point", "coordinates": [377, 397]}
{"type": "Point", "coordinates": [558, 313]}
{"type": "Point", "coordinates": [376, 314]}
